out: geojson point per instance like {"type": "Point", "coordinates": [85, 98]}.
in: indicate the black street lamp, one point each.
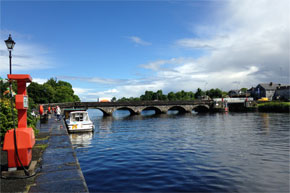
{"type": "Point", "coordinates": [10, 45]}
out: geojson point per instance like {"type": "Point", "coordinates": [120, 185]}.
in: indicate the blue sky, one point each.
{"type": "Point", "coordinates": [122, 48]}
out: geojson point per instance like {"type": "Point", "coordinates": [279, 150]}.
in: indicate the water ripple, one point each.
{"type": "Point", "coordinates": [246, 152]}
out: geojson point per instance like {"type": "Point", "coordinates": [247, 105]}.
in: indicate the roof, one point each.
{"type": "Point", "coordinates": [71, 109]}
{"type": "Point", "coordinates": [79, 112]}
{"type": "Point", "coordinates": [283, 87]}
{"type": "Point", "coordinates": [20, 77]}
{"type": "Point", "coordinates": [269, 86]}
{"type": "Point", "coordinates": [234, 91]}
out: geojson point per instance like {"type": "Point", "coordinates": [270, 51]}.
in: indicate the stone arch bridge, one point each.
{"type": "Point", "coordinates": [136, 107]}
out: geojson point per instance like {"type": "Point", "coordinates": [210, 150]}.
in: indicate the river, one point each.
{"type": "Point", "coordinates": [221, 152]}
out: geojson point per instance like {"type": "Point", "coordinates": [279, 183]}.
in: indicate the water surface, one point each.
{"type": "Point", "coordinates": [234, 152]}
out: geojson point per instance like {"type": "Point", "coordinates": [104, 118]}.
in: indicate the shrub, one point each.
{"type": "Point", "coordinates": [274, 106]}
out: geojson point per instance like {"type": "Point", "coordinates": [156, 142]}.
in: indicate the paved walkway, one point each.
{"type": "Point", "coordinates": [60, 168]}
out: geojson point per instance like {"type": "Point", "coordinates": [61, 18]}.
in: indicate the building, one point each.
{"type": "Point", "coordinates": [238, 94]}
{"type": "Point", "coordinates": [265, 90]}
{"type": "Point", "coordinates": [234, 93]}
{"type": "Point", "coordinates": [282, 93]}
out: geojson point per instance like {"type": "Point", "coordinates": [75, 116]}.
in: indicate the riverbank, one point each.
{"type": "Point", "coordinates": [273, 106]}
{"type": "Point", "coordinates": [58, 166]}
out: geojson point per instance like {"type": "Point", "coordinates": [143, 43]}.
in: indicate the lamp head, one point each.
{"type": "Point", "coordinates": [10, 43]}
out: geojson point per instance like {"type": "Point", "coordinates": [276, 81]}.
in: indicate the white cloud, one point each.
{"type": "Point", "coordinates": [39, 80]}
{"type": "Point", "coordinates": [249, 46]}
{"type": "Point", "coordinates": [25, 57]}
{"type": "Point", "coordinates": [139, 41]}
{"type": "Point", "coordinates": [81, 91]}
{"type": "Point", "coordinates": [255, 35]}
{"type": "Point", "coordinates": [97, 80]}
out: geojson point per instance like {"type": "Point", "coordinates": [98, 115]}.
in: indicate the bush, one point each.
{"type": "Point", "coordinates": [6, 121]}
{"type": "Point", "coordinates": [274, 107]}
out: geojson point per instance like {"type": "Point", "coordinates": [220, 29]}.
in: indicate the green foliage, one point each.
{"type": "Point", "coordinates": [158, 95]}
{"type": "Point", "coordinates": [244, 90]}
{"type": "Point", "coordinates": [6, 121]}
{"type": "Point", "coordinates": [274, 106]}
{"type": "Point", "coordinates": [52, 91]}
{"type": "Point", "coordinates": [6, 118]}
{"type": "Point", "coordinates": [114, 99]}
{"type": "Point", "coordinates": [199, 93]}
{"type": "Point", "coordinates": [214, 93]}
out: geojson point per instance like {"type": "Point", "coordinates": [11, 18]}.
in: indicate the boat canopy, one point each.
{"type": "Point", "coordinates": [79, 116]}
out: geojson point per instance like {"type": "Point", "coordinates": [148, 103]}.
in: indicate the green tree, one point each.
{"type": "Point", "coordinates": [147, 96]}
{"type": "Point", "coordinates": [244, 90]}
{"type": "Point", "coordinates": [114, 99]}
{"type": "Point", "coordinates": [199, 93]}
{"type": "Point", "coordinates": [52, 82]}
{"type": "Point", "coordinates": [171, 96]}
{"type": "Point", "coordinates": [52, 91]}
{"type": "Point", "coordinates": [49, 92]}
{"type": "Point", "coordinates": [214, 93]}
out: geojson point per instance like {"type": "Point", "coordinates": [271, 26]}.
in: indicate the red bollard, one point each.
{"type": "Point", "coordinates": [24, 136]}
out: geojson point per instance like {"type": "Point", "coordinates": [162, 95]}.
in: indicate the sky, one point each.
{"type": "Point", "coordinates": [123, 48]}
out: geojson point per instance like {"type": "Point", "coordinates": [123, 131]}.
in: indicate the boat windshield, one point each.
{"type": "Point", "coordinates": [79, 117]}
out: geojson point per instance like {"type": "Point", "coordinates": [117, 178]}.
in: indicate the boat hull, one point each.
{"type": "Point", "coordinates": [80, 130]}
{"type": "Point", "coordinates": [79, 127]}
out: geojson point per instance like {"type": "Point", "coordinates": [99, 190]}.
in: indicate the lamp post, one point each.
{"type": "Point", "coordinates": [10, 45]}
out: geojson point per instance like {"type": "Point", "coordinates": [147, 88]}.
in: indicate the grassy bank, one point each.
{"type": "Point", "coordinates": [283, 107]}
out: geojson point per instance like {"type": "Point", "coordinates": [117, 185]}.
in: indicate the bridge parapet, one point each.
{"type": "Point", "coordinates": [136, 107]}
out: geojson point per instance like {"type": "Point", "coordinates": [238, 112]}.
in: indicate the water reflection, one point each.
{"type": "Point", "coordinates": [188, 153]}
{"type": "Point", "coordinates": [265, 118]}
{"type": "Point", "coordinates": [104, 126]}
{"type": "Point", "coordinates": [81, 140]}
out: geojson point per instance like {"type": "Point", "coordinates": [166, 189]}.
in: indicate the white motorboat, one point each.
{"type": "Point", "coordinates": [79, 121]}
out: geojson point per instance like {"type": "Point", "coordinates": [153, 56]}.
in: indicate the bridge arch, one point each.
{"type": "Point", "coordinates": [132, 112]}
{"type": "Point", "coordinates": [156, 109]}
{"type": "Point", "coordinates": [201, 108]}
{"type": "Point", "coordinates": [180, 109]}
{"type": "Point", "coordinates": [105, 112]}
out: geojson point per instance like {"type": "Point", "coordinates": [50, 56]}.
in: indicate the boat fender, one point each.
{"type": "Point", "coordinates": [40, 109]}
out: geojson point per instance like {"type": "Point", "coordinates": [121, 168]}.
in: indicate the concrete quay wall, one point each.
{"type": "Point", "coordinates": [60, 169]}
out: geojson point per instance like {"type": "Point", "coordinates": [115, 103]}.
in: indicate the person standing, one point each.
{"type": "Point", "coordinates": [58, 111]}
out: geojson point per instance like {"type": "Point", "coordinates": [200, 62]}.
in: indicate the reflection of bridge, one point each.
{"type": "Point", "coordinates": [137, 107]}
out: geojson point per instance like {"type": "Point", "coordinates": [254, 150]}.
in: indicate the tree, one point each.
{"type": "Point", "coordinates": [244, 90]}
{"type": "Point", "coordinates": [214, 93]}
{"type": "Point", "coordinates": [147, 96]}
{"type": "Point", "coordinates": [199, 93]}
{"type": "Point", "coordinates": [52, 92]}
{"type": "Point", "coordinates": [52, 82]}
{"type": "Point", "coordinates": [37, 93]}
{"type": "Point", "coordinates": [171, 96]}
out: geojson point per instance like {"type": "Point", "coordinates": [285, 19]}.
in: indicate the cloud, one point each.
{"type": "Point", "coordinates": [97, 80]}
{"type": "Point", "coordinates": [25, 57]}
{"type": "Point", "coordinates": [249, 45]}
{"type": "Point", "coordinates": [139, 41]}
{"type": "Point", "coordinates": [255, 35]}
{"type": "Point", "coordinates": [81, 91]}
{"type": "Point", "coordinates": [166, 65]}
{"type": "Point", "coordinates": [39, 80]}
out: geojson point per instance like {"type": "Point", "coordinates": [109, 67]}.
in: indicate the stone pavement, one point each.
{"type": "Point", "coordinates": [60, 171]}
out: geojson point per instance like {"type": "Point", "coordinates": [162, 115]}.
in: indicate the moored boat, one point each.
{"type": "Point", "coordinates": [79, 121]}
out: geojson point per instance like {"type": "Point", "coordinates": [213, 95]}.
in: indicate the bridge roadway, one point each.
{"type": "Point", "coordinates": [136, 107]}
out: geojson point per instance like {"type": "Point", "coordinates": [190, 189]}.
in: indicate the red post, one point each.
{"type": "Point", "coordinates": [24, 136]}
